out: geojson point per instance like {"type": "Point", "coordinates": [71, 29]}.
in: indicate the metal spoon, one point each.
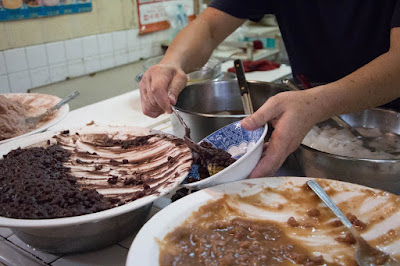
{"type": "Point", "coordinates": [192, 145]}
{"type": "Point", "coordinates": [34, 120]}
{"type": "Point", "coordinates": [366, 255]}
{"type": "Point", "coordinates": [366, 141]}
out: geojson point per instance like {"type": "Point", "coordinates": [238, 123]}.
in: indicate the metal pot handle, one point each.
{"type": "Point", "coordinates": [139, 76]}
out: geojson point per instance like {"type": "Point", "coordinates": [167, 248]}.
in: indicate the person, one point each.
{"type": "Point", "coordinates": [352, 47]}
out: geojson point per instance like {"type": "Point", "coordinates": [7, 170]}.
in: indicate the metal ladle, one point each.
{"type": "Point", "coordinates": [192, 145]}
{"type": "Point", "coordinates": [366, 255]}
{"type": "Point", "coordinates": [365, 140]}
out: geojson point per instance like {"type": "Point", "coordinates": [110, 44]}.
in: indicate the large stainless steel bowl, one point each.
{"type": "Point", "coordinates": [383, 174]}
{"type": "Point", "coordinates": [92, 231]}
{"type": "Point", "coordinates": [208, 106]}
{"type": "Point", "coordinates": [210, 71]}
{"type": "Point", "coordinates": [85, 236]}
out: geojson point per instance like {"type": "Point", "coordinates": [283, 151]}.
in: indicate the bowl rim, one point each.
{"type": "Point", "coordinates": [247, 154]}
{"type": "Point", "coordinates": [349, 158]}
{"type": "Point", "coordinates": [241, 116]}
{"type": "Point", "coordinates": [91, 217]}
{"type": "Point", "coordinates": [200, 198]}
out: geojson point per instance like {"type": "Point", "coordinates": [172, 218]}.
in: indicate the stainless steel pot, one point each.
{"type": "Point", "coordinates": [383, 174]}
{"type": "Point", "coordinates": [208, 106]}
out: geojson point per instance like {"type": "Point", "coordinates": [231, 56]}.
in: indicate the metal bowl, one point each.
{"type": "Point", "coordinates": [208, 106]}
{"type": "Point", "coordinates": [92, 231]}
{"type": "Point", "coordinates": [210, 71]}
{"type": "Point", "coordinates": [84, 237]}
{"type": "Point", "coordinates": [383, 174]}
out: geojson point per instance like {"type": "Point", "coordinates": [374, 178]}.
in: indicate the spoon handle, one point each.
{"type": "Point", "coordinates": [329, 202]}
{"type": "Point", "coordinates": [64, 101]}
{"type": "Point", "coordinates": [244, 87]}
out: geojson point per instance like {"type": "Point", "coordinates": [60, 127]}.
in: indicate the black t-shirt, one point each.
{"type": "Point", "coordinates": [326, 39]}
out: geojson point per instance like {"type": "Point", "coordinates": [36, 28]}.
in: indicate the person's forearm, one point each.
{"type": "Point", "coordinates": [193, 45]}
{"type": "Point", "coordinates": [372, 85]}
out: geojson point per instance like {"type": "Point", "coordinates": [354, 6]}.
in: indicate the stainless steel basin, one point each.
{"type": "Point", "coordinates": [208, 106]}
{"type": "Point", "coordinates": [383, 174]}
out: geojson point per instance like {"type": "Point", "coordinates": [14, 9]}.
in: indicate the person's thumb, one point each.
{"type": "Point", "coordinates": [176, 86]}
{"type": "Point", "coordinates": [250, 123]}
{"type": "Point", "coordinates": [262, 116]}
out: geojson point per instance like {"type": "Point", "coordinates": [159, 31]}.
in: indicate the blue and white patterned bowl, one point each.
{"type": "Point", "coordinates": [245, 146]}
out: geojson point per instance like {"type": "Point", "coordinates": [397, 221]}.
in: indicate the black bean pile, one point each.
{"type": "Point", "coordinates": [216, 158]}
{"type": "Point", "coordinates": [34, 184]}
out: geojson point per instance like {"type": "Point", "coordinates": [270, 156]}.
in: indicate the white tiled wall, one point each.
{"type": "Point", "coordinates": [24, 68]}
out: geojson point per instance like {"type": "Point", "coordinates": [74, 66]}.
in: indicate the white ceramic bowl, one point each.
{"type": "Point", "coordinates": [367, 204]}
{"type": "Point", "coordinates": [245, 146]}
{"type": "Point", "coordinates": [38, 104]}
{"type": "Point", "coordinates": [97, 230]}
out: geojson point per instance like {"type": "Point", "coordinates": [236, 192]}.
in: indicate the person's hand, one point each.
{"type": "Point", "coordinates": [292, 115]}
{"type": "Point", "coordinates": [160, 87]}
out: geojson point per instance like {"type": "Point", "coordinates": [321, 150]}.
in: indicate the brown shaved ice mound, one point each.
{"type": "Point", "coordinates": [12, 119]}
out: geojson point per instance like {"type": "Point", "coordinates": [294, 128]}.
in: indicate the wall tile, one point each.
{"type": "Point", "coordinates": [133, 38]}
{"type": "Point", "coordinates": [145, 52]}
{"type": "Point", "coordinates": [105, 43]}
{"type": "Point", "coordinates": [40, 77]}
{"type": "Point", "coordinates": [107, 61]}
{"type": "Point", "coordinates": [4, 86]}
{"type": "Point", "coordinates": [58, 72]}
{"type": "Point", "coordinates": [36, 55]}
{"type": "Point", "coordinates": [76, 68]}
{"type": "Point", "coordinates": [121, 58]}
{"type": "Point", "coordinates": [74, 48]}
{"type": "Point", "coordinates": [20, 81]}
{"type": "Point", "coordinates": [56, 61]}
{"type": "Point", "coordinates": [92, 64]}
{"type": "Point", "coordinates": [3, 68]}
{"type": "Point", "coordinates": [56, 52]}
{"type": "Point", "coordinates": [16, 60]}
{"type": "Point", "coordinates": [133, 55]}
{"type": "Point", "coordinates": [119, 40]}
{"type": "Point", "coordinates": [90, 47]}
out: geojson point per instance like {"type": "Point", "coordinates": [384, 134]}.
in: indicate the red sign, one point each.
{"type": "Point", "coordinates": [152, 15]}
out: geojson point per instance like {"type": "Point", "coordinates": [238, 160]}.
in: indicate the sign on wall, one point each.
{"type": "Point", "coordinates": [152, 15]}
{"type": "Point", "coordinates": [24, 9]}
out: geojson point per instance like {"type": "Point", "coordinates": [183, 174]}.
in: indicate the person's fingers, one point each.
{"type": "Point", "coordinates": [157, 91]}
{"type": "Point", "coordinates": [150, 109]}
{"type": "Point", "coordinates": [176, 86]}
{"type": "Point", "coordinates": [268, 111]}
{"type": "Point", "coordinates": [284, 140]}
